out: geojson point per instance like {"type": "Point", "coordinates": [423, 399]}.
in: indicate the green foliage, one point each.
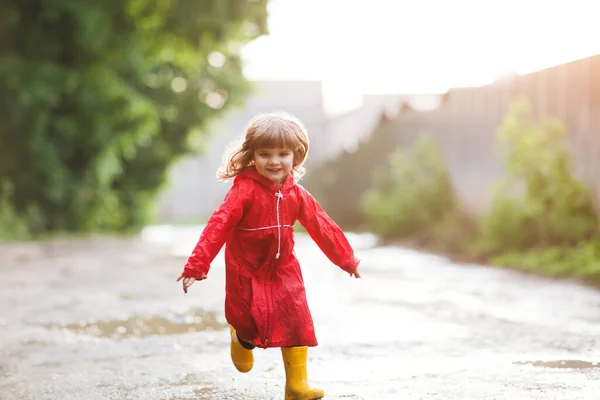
{"type": "Point", "coordinates": [11, 226]}
{"type": "Point", "coordinates": [413, 198]}
{"type": "Point", "coordinates": [540, 203]}
{"type": "Point", "coordinates": [542, 219]}
{"type": "Point", "coordinates": [580, 261]}
{"type": "Point", "coordinates": [97, 99]}
{"type": "Point", "coordinates": [413, 191]}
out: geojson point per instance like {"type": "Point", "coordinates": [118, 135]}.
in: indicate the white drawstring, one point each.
{"type": "Point", "coordinates": [264, 227]}
{"type": "Point", "coordinates": [279, 197]}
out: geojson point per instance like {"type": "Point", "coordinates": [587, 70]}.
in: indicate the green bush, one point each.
{"type": "Point", "coordinates": [12, 227]}
{"type": "Point", "coordinates": [413, 198]}
{"type": "Point", "coordinates": [540, 203]}
{"type": "Point", "coordinates": [581, 261]}
{"type": "Point", "coordinates": [542, 219]}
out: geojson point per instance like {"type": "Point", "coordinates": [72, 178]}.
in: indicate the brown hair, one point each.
{"type": "Point", "coordinates": [266, 131]}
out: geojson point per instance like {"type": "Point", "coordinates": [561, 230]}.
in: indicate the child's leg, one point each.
{"type": "Point", "coordinates": [296, 378]}
{"type": "Point", "coordinates": [241, 352]}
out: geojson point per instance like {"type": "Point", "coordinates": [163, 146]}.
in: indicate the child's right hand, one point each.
{"type": "Point", "coordinates": [187, 282]}
{"type": "Point", "coordinates": [355, 274]}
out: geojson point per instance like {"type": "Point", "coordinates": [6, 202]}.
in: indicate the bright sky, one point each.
{"type": "Point", "coordinates": [417, 46]}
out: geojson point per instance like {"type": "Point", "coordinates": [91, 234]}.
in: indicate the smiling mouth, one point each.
{"type": "Point", "coordinates": [274, 170]}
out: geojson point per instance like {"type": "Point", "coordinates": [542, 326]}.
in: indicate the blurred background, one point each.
{"type": "Point", "coordinates": [466, 128]}
{"type": "Point", "coordinates": [116, 117]}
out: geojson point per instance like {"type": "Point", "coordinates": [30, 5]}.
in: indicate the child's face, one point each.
{"type": "Point", "coordinates": [274, 164]}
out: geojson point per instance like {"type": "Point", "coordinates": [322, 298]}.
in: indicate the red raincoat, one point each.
{"type": "Point", "coordinates": [265, 299]}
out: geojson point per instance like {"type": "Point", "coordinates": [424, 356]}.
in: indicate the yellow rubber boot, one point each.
{"type": "Point", "coordinates": [296, 378]}
{"type": "Point", "coordinates": [242, 358]}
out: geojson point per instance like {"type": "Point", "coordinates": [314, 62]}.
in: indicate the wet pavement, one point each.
{"type": "Point", "coordinates": [104, 319]}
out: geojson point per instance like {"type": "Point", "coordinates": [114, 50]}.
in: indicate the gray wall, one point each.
{"type": "Point", "coordinates": [344, 132]}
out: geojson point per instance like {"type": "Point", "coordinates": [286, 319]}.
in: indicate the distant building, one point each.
{"type": "Point", "coordinates": [344, 132]}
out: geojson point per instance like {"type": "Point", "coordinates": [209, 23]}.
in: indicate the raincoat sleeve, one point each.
{"type": "Point", "coordinates": [219, 226]}
{"type": "Point", "coordinates": [325, 232]}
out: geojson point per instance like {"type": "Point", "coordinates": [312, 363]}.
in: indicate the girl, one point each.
{"type": "Point", "coordinates": [265, 299]}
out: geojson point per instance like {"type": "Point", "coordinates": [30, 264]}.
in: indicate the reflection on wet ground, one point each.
{"type": "Point", "coordinates": [147, 326]}
{"type": "Point", "coordinates": [577, 364]}
{"type": "Point", "coordinates": [105, 319]}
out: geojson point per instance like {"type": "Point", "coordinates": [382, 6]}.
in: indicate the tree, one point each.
{"type": "Point", "coordinates": [97, 99]}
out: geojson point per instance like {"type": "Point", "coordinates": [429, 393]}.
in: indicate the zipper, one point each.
{"type": "Point", "coordinates": [279, 196]}
{"type": "Point", "coordinates": [268, 289]}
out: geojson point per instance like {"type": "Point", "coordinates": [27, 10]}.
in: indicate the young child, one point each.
{"type": "Point", "coordinates": [265, 299]}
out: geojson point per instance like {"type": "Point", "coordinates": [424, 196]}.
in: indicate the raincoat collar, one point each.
{"type": "Point", "coordinates": [252, 173]}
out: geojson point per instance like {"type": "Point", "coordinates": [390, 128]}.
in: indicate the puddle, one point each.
{"type": "Point", "coordinates": [139, 327]}
{"type": "Point", "coordinates": [575, 364]}
{"type": "Point", "coordinates": [204, 390]}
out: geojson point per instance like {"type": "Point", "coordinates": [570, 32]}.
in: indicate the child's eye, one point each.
{"type": "Point", "coordinates": [284, 154]}
{"type": "Point", "coordinates": [264, 155]}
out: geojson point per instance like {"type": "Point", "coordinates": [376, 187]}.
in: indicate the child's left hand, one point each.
{"type": "Point", "coordinates": [355, 274]}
